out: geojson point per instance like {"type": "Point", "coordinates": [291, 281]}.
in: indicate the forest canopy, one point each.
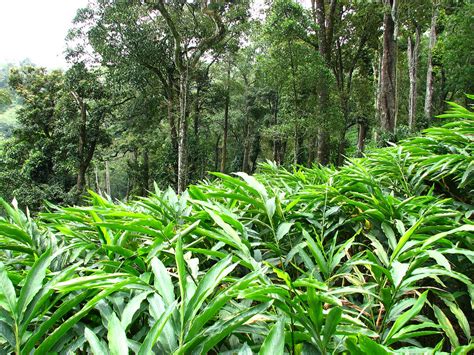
{"type": "Point", "coordinates": [242, 177]}
{"type": "Point", "coordinates": [167, 91]}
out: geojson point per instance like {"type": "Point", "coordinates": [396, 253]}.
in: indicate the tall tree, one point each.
{"type": "Point", "coordinates": [325, 23]}
{"type": "Point", "coordinates": [388, 74]}
{"type": "Point", "coordinates": [413, 52]}
{"type": "Point", "coordinates": [189, 48]}
{"type": "Point", "coordinates": [428, 109]}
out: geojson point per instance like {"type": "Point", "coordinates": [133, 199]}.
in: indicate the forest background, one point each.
{"type": "Point", "coordinates": [167, 91]}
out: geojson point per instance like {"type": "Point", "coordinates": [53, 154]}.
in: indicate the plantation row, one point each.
{"type": "Point", "coordinates": [373, 258]}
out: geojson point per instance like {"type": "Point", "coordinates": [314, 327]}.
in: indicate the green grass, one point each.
{"type": "Point", "coordinates": [372, 258]}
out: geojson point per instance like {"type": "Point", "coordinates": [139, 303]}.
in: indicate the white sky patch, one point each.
{"type": "Point", "coordinates": [36, 29]}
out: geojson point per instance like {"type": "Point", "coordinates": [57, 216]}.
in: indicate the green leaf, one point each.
{"type": "Point", "coordinates": [7, 292]}
{"type": "Point", "coordinates": [368, 346]}
{"type": "Point", "coordinates": [318, 253]}
{"type": "Point", "coordinates": [116, 337]}
{"type": "Point", "coordinates": [59, 332]}
{"type": "Point", "coordinates": [207, 285]}
{"type": "Point", "coordinates": [163, 282]}
{"type": "Point", "coordinates": [407, 316]}
{"type": "Point", "coordinates": [245, 350]}
{"type": "Point", "coordinates": [332, 320]}
{"type": "Point", "coordinates": [398, 272]}
{"type": "Point", "coordinates": [461, 317]}
{"type": "Point", "coordinates": [404, 239]}
{"type": "Point", "coordinates": [212, 335]}
{"type": "Point", "coordinates": [274, 343]}
{"type": "Point", "coordinates": [390, 234]}
{"type": "Point", "coordinates": [6, 333]}
{"type": "Point", "coordinates": [181, 266]}
{"type": "Point", "coordinates": [155, 331]}
{"type": "Point", "coordinates": [131, 308]}
{"type": "Point", "coordinates": [33, 282]}
{"type": "Point", "coordinates": [439, 258]}
{"type": "Point", "coordinates": [447, 327]}
{"type": "Point", "coordinates": [270, 206]}
{"type": "Point", "coordinates": [218, 302]}
{"type": "Point", "coordinates": [97, 347]}
{"type": "Point", "coordinates": [283, 229]}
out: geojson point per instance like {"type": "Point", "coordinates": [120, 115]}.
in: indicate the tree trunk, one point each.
{"type": "Point", "coordinates": [216, 153]}
{"type": "Point", "coordinates": [182, 131]}
{"type": "Point", "coordinates": [323, 146]}
{"type": "Point", "coordinates": [429, 73]}
{"type": "Point", "coordinates": [312, 144]}
{"type": "Point", "coordinates": [107, 178]}
{"type": "Point", "coordinates": [341, 149]}
{"type": "Point", "coordinates": [388, 75]}
{"type": "Point", "coordinates": [325, 33]}
{"type": "Point", "coordinates": [413, 54]}
{"type": "Point", "coordinates": [377, 83]}
{"type": "Point", "coordinates": [226, 121]}
{"type": "Point", "coordinates": [246, 158]}
{"type": "Point", "coordinates": [361, 137]}
{"type": "Point", "coordinates": [197, 111]}
{"type": "Point", "coordinates": [81, 178]}
{"type": "Point", "coordinates": [82, 144]}
{"type": "Point", "coordinates": [146, 172]}
{"type": "Point", "coordinates": [255, 151]}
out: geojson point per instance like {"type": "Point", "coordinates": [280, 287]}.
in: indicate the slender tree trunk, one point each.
{"type": "Point", "coordinates": [182, 131]}
{"type": "Point", "coordinates": [361, 137]}
{"type": "Point", "coordinates": [388, 75]}
{"type": "Point", "coordinates": [226, 121]}
{"type": "Point", "coordinates": [325, 33]}
{"type": "Point", "coordinates": [82, 144]}
{"type": "Point", "coordinates": [296, 147]}
{"type": "Point", "coordinates": [246, 158]}
{"type": "Point", "coordinates": [97, 184]}
{"type": "Point", "coordinates": [377, 83]}
{"type": "Point", "coordinates": [312, 144]}
{"type": "Point", "coordinates": [216, 153]}
{"type": "Point", "coordinates": [255, 151]}
{"type": "Point", "coordinates": [146, 172]}
{"type": "Point", "coordinates": [197, 112]}
{"type": "Point", "coordinates": [341, 149]}
{"type": "Point", "coordinates": [107, 178]}
{"type": "Point", "coordinates": [323, 146]}
{"type": "Point", "coordinates": [429, 73]}
{"type": "Point", "coordinates": [413, 54]}
{"type": "Point", "coordinates": [277, 141]}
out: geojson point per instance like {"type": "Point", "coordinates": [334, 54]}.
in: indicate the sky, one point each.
{"type": "Point", "coordinates": [36, 29]}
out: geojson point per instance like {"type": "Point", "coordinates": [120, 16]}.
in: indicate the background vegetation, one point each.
{"type": "Point", "coordinates": [371, 258]}
{"type": "Point", "coordinates": [338, 218]}
{"type": "Point", "coordinates": [165, 92]}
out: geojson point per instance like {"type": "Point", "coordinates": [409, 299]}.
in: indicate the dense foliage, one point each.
{"type": "Point", "coordinates": [372, 258]}
{"type": "Point", "coordinates": [166, 91]}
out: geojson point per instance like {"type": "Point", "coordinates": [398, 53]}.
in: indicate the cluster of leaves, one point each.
{"type": "Point", "coordinates": [372, 258]}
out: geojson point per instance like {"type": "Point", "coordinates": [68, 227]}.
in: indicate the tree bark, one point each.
{"type": "Point", "coordinates": [182, 131]}
{"type": "Point", "coordinates": [246, 157]}
{"type": "Point", "coordinates": [325, 34]}
{"type": "Point", "coordinates": [361, 137]}
{"type": "Point", "coordinates": [323, 146]}
{"type": "Point", "coordinates": [146, 172]}
{"type": "Point", "coordinates": [388, 75]}
{"type": "Point", "coordinates": [226, 121]}
{"type": "Point", "coordinates": [428, 109]}
{"type": "Point", "coordinates": [107, 178]}
{"type": "Point", "coordinates": [413, 54]}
